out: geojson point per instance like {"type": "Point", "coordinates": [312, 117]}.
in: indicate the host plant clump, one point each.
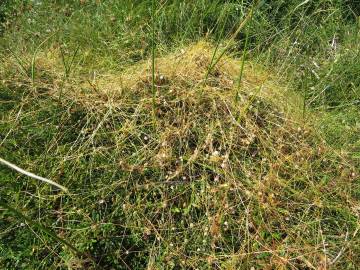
{"type": "Point", "coordinates": [172, 162]}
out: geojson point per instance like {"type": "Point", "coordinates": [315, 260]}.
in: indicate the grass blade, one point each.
{"type": "Point", "coordinates": [233, 36]}
{"type": "Point", "coordinates": [153, 89]}
{"type": "Point", "coordinates": [33, 60]}
{"type": "Point", "coordinates": [242, 64]}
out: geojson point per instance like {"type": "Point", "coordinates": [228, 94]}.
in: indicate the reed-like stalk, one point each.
{"type": "Point", "coordinates": [153, 89]}
{"type": "Point", "coordinates": [33, 59]}
{"type": "Point", "coordinates": [242, 65]}
{"type": "Point", "coordinates": [233, 36]}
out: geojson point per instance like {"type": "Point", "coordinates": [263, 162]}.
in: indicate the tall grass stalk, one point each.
{"type": "Point", "coordinates": [153, 89]}
{"type": "Point", "coordinates": [242, 65]}
{"type": "Point", "coordinates": [217, 43]}
{"type": "Point", "coordinates": [21, 64]}
{"type": "Point", "coordinates": [233, 36]}
{"type": "Point", "coordinates": [68, 64]}
{"type": "Point", "coordinates": [33, 60]}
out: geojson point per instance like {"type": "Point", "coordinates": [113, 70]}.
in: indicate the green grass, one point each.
{"type": "Point", "coordinates": [217, 182]}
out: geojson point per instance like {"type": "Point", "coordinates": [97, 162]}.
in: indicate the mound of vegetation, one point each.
{"type": "Point", "coordinates": [198, 171]}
